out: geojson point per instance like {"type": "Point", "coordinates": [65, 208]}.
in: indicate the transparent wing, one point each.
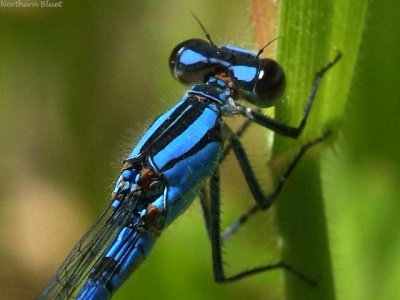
{"type": "Point", "coordinates": [89, 250]}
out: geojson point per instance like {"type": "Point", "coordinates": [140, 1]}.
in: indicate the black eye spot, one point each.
{"type": "Point", "coordinates": [270, 83]}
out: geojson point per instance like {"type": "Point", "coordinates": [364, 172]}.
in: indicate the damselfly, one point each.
{"type": "Point", "coordinates": [171, 162]}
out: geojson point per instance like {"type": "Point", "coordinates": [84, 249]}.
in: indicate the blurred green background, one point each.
{"type": "Point", "coordinates": [79, 85]}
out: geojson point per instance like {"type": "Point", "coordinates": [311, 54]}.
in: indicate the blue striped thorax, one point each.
{"type": "Point", "coordinates": [260, 81]}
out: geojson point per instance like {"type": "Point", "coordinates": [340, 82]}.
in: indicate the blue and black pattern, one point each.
{"type": "Point", "coordinates": [171, 163]}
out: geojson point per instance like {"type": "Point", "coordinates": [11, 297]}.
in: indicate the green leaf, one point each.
{"type": "Point", "coordinates": [313, 32]}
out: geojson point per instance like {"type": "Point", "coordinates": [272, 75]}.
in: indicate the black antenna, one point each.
{"type": "Point", "coordinates": [269, 43]}
{"type": "Point", "coordinates": [203, 28]}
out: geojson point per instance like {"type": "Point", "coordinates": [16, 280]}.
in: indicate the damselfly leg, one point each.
{"type": "Point", "coordinates": [211, 202]}
{"type": "Point", "coordinates": [293, 132]}
{"type": "Point", "coordinates": [212, 211]}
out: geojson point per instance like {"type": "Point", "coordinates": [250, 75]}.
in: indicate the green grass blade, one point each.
{"type": "Point", "coordinates": [312, 31]}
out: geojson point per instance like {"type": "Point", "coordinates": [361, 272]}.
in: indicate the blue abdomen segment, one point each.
{"type": "Point", "coordinates": [93, 290]}
{"type": "Point", "coordinates": [123, 257]}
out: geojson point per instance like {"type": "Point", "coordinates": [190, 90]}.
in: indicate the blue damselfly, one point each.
{"type": "Point", "coordinates": [171, 162]}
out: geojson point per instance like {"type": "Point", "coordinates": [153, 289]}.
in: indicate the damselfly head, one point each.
{"type": "Point", "coordinates": [260, 81]}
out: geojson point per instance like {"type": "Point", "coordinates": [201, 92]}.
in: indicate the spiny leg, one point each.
{"type": "Point", "coordinates": [216, 242]}
{"type": "Point", "coordinates": [204, 199]}
{"type": "Point", "coordinates": [276, 126]}
{"type": "Point", "coordinates": [205, 207]}
{"type": "Point", "coordinates": [281, 128]}
{"type": "Point", "coordinates": [212, 208]}
{"type": "Point", "coordinates": [239, 132]}
{"type": "Point", "coordinates": [263, 201]}
{"type": "Point", "coordinates": [234, 140]}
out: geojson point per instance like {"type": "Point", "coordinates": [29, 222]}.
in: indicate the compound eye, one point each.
{"type": "Point", "coordinates": [175, 55]}
{"type": "Point", "coordinates": [270, 83]}
{"type": "Point", "coordinates": [188, 61]}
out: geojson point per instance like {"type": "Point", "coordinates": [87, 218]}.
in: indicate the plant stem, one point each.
{"type": "Point", "coordinates": [312, 32]}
